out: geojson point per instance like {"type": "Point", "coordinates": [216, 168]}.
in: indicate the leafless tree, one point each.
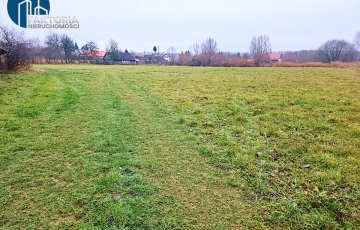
{"type": "Point", "coordinates": [37, 50]}
{"type": "Point", "coordinates": [289, 56]}
{"type": "Point", "coordinates": [260, 48]}
{"type": "Point", "coordinates": [245, 55]}
{"type": "Point", "coordinates": [185, 58]}
{"type": "Point", "coordinates": [171, 50]}
{"type": "Point", "coordinates": [209, 49]}
{"type": "Point", "coordinates": [113, 48]}
{"type": "Point", "coordinates": [196, 49]}
{"type": "Point", "coordinates": [17, 48]}
{"type": "Point", "coordinates": [337, 50]}
{"type": "Point", "coordinates": [68, 46]}
{"type": "Point", "coordinates": [357, 41]}
{"type": "Point", "coordinates": [59, 46]}
{"type": "Point", "coordinates": [132, 52]}
{"type": "Point", "coordinates": [307, 56]}
{"type": "Point", "coordinates": [54, 47]}
{"type": "Point", "coordinates": [92, 46]}
{"type": "Point", "coordinates": [357, 44]}
{"type": "Point", "coordinates": [220, 58]}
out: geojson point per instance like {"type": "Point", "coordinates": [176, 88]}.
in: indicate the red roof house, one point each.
{"type": "Point", "coordinates": [275, 57]}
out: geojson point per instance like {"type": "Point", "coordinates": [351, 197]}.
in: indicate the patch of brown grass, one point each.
{"type": "Point", "coordinates": [59, 182]}
{"type": "Point", "coordinates": [319, 64]}
{"type": "Point", "coordinates": [236, 62]}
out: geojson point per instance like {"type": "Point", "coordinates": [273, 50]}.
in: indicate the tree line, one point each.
{"type": "Point", "coordinates": [18, 51]}
{"type": "Point", "coordinates": [207, 54]}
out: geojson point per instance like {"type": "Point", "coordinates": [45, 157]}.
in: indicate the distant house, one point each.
{"type": "Point", "coordinates": [119, 58]}
{"type": "Point", "coordinates": [153, 59]}
{"type": "Point", "coordinates": [146, 59]}
{"type": "Point", "coordinates": [96, 56]}
{"type": "Point", "coordinates": [87, 56]}
{"type": "Point", "coordinates": [159, 60]}
{"type": "Point", "coordinates": [275, 57]}
{"type": "Point", "coordinates": [99, 54]}
{"type": "Point", "coordinates": [171, 58]}
{"type": "Point", "coordinates": [268, 58]}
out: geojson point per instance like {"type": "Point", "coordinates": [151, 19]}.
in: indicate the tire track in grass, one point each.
{"type": "Point", "coordinates": [192, 193]}
{"type": "Point", "coordinates": [68, 177]}
{"type": "Point", "coordinates": [41, 104]}
{"type": "Point", "coordinates": [110, 144]}
{"type": "Point", "coordinates": [104, 136]}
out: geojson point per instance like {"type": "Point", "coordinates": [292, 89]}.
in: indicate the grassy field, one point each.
{"type": "Point", "coordinates": [149, 147]}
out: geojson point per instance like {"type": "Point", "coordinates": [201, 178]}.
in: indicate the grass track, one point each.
{"type": "Point", "coordinates": [189, 137]}
{"type": "Point", "coordinates": [201, 197]}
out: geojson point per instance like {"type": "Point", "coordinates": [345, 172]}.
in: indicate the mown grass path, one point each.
{"type": "Point", "coordinates": [191, 191]}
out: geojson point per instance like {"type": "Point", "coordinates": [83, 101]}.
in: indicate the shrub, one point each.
{"type": "Point", "coordinates": [235, 62]}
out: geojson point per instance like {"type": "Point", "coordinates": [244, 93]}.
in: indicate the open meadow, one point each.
{"type": "Point", "coordinates": [159, 147]}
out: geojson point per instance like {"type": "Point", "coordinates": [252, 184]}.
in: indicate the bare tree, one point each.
{"type": "Point", "coordinates": [185, 58]}
{"type": "Point", "coordinates": [307, 56]}
{"type": "Point", "coordinates": [68, 46]}
{"type": "Point", "coordinates": [37, 48]}
{"type": "Point", "coordinates": [171, 50]}
{"type": "Point", "coordinates": [92, 47]}
{"type": "Point", "coordinates": [54, 46]}
{"type": "Point", "coordinates": [209, 49]}
{"type": "Point", "coordinates": [132, 52]}
{"type": "Point", "coordinates": [260, 48]}
{"type": "Point", "coordinates": [357, 44]}
{"type": "Point", "coordinates": [357, 41]}
{"type": "Point", "coordinates": [337, 50]}
{"type": "Point", "coordinates": [196, 49]}
{"type": "Point", "coordinates": [113, 48]}
{"type": "Point", "coordinates": [17, 48]}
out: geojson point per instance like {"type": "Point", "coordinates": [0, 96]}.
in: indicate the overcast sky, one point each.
{"type": "Point", "coordinates": [140, 24]}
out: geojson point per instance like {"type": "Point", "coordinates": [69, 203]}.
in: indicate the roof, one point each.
{"type": "Point", "coordinates": [268, 57]}
{"type": "Point", "coordinates": [95, 53]}
{"type": "Point", "coordinates": [275, 56]}
{"type": "Point", "coordinates": [100, 53]}
{"type": "Point", "coordinates": [158, 59]}
{"type": "Point", "coordinates": [120, 56]}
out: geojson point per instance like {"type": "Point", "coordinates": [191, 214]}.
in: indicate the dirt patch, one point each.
{"type": "Point", "coordinates": [59, 182]}
{"type": "Point", "coordinates": [62, 219]}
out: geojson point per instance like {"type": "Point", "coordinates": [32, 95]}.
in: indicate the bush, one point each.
{"type": "Point", "coordinates": [17, 49]}
{"type": "Point", "coordinates": [235, 62]}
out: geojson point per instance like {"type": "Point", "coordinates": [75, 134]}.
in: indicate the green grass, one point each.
{"type": "Point", "coordinates": [180, 147]}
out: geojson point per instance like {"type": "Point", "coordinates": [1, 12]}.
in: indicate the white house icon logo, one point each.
{"type": "Point", "coordinates": [28, 10]}
{"type": "Point", "coordinates": [20, 10]}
